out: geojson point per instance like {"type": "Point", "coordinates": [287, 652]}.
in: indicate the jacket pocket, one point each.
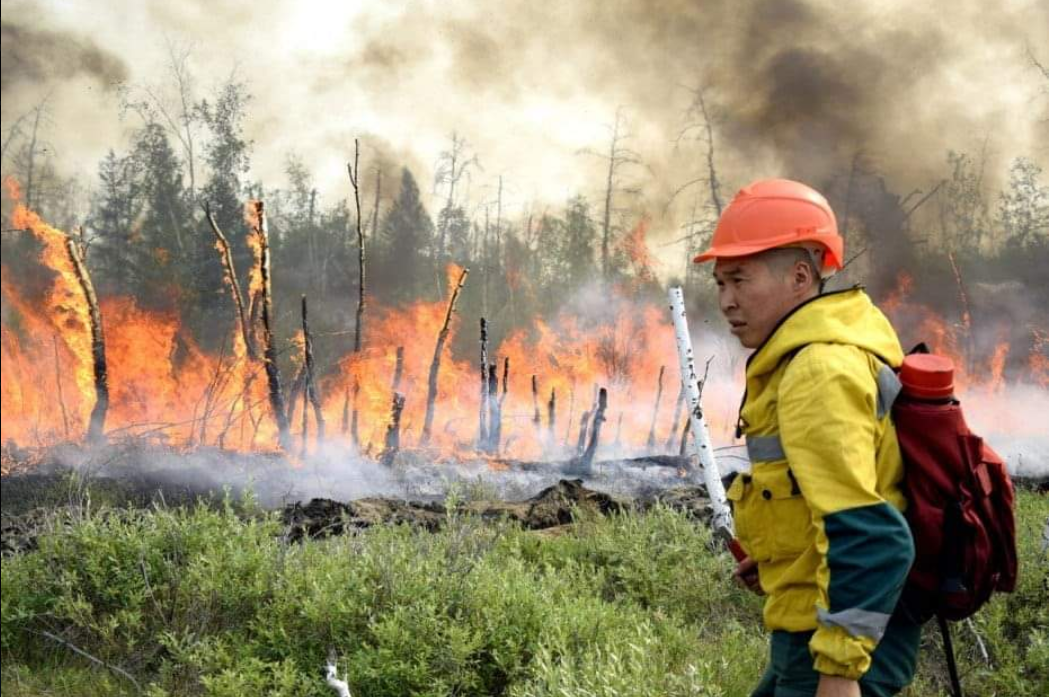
{"type": "Point", "coordinates": [778, 520]}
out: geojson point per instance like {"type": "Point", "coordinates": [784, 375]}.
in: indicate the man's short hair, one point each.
{"type": "Point", "coordinates": [783, 259]}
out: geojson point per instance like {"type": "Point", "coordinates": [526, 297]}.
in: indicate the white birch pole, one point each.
{"type": "Point", "coordinates": [722, 521]}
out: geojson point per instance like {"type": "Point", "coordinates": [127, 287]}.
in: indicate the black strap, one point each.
{"type": "Point", "coordinates": [919, 348]}
{"type": "Point", "coordinates": [948, 650]}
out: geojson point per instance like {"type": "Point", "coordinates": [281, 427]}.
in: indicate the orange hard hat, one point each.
{"type": "Point", "coordinates": [772, 213]}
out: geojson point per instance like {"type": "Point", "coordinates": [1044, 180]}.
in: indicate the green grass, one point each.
{"type": "Point", "coordinates": [210, 601]}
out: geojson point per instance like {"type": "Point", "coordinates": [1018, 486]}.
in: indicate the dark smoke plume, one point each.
{"type": "Point", "coordinates": [31, 55]}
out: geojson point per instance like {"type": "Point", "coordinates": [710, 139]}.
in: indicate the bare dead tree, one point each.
{"type": "Point", "coordinates": [536, 419]}
{"type": "Point", "coordinates": [398, 369]}
{"type": "Point", "coordinates": [595, 429]}
{"type": "Point", "coordinates": [551, 417]}
{"type": "Point", "coordinates": [584, 424]}
{"type": "Point", "coordinates": [261, 230]}
{"type": "Point", "coordinates": [618, 157]}
{"type": "Point", "coordinates": [354, 170]}
{"type": "Point", "coordinates": [226, 254]}
{"type": "Point", "coordinates": [495, 417]}
{"type": "Point", "coordinates": [678, 406]}
{"type": "Point", "coordinates": [655, 409]}
{"type": "Point", "coordinates": [96, 427]}
{"type": "Point", "coordinates": [378, 197]}
{"type": "Point", "coordinates": [355, 434]}
{"type": "Point", "coordinates": [435, 365]}
{"type": "Point", "coordinates": [453, 165]}
{"type": "Point", "coordinates": [311, 375]}
{"type": "Point", "coordinates": [392, 442]}
{"type": "Point", "coordinates": [14, 132]}
{"type": "Point", "coordinates": [482, 417]}
{"type": "Point", "coordinates": [32, 150]}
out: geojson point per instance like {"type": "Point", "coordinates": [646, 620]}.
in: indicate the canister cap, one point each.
{"type": "Point", "coordinates": [927, 376]}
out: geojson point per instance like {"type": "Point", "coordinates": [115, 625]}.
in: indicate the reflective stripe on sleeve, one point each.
{"type": "Point", "coordinates": [765, 448]}
{"type": "Point", "coordinates": [855, 621]}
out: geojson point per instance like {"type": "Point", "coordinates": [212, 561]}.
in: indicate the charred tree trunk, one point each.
{"type": "Point", "coordinates": [346, 411]}
{"type": "Point", "coordinates": [311, 375]}
{"type": "Point", "coordinates": [495, 418]}
{"type": "Point", "coordinates": [551, 416]}
{"type": "Point", "coordinates": [398, 369]}
{"type": "Point", "coordinates": [269, 345]}
{"type": "Point", "coordinates": [655, 409]}
{"type": "Point", "coordinates": [584, 424]}
{"type": "Point", "coordinates": [305, 415]}
{"type": "Point", "coordinates": [537, 420]}
{"type": "Point", "coordinates": [482, 415]}
{"type": "Point", "coordinates": [231, 277]}
{"type": "Point", "coordinates": [435, 365]}
{"type": "Point", "coordinates": [595, 430]}
{"type": "Point", "coordinates": [678, 406]}
{"type": "Point", "coordinates": [355, 434]}
{"type": "Point", "coordinates": [393, 432]}
{"type": "Point", "coordinates": [354, 171]}
{"type": "Point", "coordinates": [97, 424]}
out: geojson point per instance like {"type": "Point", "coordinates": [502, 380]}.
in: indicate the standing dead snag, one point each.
{"type": "Point", "coordinates": [595, 430]}
{"type": "Point", "coordinates": [551, 417]}
{"type": "Point", "coordinates": [482, 416]}
{"type": "Point", "coordinates": [98, 341]}
{"type": "Point", "coordinates": [495, 418]}
{"type": "Point", "coordinates": [311, 375]}
{"type": "Point", "coordinates": [537, 421]}
{"type": "Point", "coordinates": [354, 170]}
{"type": "Point", "coordinates": [677, 416]}
{"type": "Point", "coordinates": [655, 409]}
{"type": "Point", "coordinates": [393, 432]}
{"type": "Point", "coordinates": [435, 365]}
{"type": "Point", "coordinates": [269, 348]}
{"type": "Point", "coordinates": [231, 277]}
{"type": "Point", "coordinates": [398, 369]}
{"type": "Point", "coordinates": [584, 424]}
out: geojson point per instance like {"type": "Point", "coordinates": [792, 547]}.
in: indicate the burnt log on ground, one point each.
{"type": "Point", "coordinates": [552, 507]}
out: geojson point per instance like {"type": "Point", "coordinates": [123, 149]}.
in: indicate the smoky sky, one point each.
{"type": "Point", "coordinates": [33, 55]}
{"type": "Point", "coordinates": [795, 87]}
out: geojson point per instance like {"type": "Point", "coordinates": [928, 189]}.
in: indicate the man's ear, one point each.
{"type": "Point", "coordinates": [802, 276]}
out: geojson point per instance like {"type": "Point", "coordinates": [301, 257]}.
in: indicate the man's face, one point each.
{"type": "Point", "coordinates": [754, 297]}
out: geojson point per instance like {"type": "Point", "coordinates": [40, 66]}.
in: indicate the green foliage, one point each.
{"type": "Point", "coordinates": [214, 601]}
{"type": "Point", "coordinates": [406, 238]}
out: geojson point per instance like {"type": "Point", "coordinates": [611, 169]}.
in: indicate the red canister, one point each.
{"type": "Point", "coordinates": [927, 376]}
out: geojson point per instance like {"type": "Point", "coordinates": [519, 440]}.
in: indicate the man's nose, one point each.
{"type": "Point", "coordinates": [726, 300]}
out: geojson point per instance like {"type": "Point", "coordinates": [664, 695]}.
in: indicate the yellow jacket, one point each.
{"type": "Point", "coordinates": [820, 510]}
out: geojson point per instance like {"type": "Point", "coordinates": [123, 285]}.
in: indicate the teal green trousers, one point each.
{"type": "Point", "coordinates": [790, 672]}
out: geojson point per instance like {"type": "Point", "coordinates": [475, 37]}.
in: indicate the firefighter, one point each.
{"type": "Point", "coordinates": [819, 513]}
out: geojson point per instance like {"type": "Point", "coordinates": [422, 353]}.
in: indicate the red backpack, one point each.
{"type": "Point", "coordinates": [960, 498]}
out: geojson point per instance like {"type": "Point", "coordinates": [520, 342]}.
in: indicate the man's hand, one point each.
{"type": "Point", "coordinates": [835, 686]}
{"type": "Point", "coordinates": [746, 576]}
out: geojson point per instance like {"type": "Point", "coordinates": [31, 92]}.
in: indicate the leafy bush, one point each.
{"type": "Point", "coordinates": [214, 601]}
